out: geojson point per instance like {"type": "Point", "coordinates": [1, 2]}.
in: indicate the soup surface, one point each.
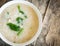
{"type": "Point", "coordinates": [18, 23]}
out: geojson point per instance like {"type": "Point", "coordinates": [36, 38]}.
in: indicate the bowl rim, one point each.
{"type": "Point", "coordinates": [39, 17]}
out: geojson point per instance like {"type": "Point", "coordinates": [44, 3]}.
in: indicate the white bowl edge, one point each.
{"type": "Point", "coordinates": [39, 17]}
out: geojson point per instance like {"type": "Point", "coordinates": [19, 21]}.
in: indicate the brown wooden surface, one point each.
{"type": "Point", "coordinates": [2, 2]}
{"type": "Point", "coordinates": [53, 18]}
{"type": "Point", "coordinates": [50, 10]}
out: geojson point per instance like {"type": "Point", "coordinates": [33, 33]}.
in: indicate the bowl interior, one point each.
{"type": "Point", "coordinates": [39, 17]}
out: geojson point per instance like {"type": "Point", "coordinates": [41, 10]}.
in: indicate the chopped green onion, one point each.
{"type": "Point", "coordinates": [21, 29]}
{"type": "Point", "coordinates": [20, 11]}
{"type": "Point", "coordinates": [18, 7]}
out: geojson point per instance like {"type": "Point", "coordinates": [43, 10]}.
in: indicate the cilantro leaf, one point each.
{"type": "Point", "coordinates": [19, 19]}
{"type": "Point", "coordinates": [13, 27]}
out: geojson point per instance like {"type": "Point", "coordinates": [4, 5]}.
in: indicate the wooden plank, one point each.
{"type": "Point", "coordinates": [53, 36]}
{"type": "Point", "coordinates": [50, 35]}
{"type": "Point", "coordinates": [2, 2]}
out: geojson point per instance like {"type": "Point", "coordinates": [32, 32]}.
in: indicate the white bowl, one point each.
{"type": "Point", "coordinates": [39, 17]}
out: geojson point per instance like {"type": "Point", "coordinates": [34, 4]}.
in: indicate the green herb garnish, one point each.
{"type": "Point", "coordinates": [18, 8]}
{"type": "Point", "coordinates": [8, 13]}
{"type": "Point", "coordinates": [21, 29]}
{"type": "Point", "coordinates": [20, 11]}
{"type": "Point", "coordinates": [19, 19]}
{"type": "Point", "coordinates": [13, 27]}
{"type": "Point", "coordinates": [25, 16]}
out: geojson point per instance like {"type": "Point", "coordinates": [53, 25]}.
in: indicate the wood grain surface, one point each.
{"type": "Point", "coordinates": [50, 35]}
{"type": "Point", "coordinates": [53, 15]}
{"type": "Point", "coordinates": [2, 2]}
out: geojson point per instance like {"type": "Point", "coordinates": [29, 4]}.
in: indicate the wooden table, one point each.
{"type": "Point", "coordinates": [47, 9]}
